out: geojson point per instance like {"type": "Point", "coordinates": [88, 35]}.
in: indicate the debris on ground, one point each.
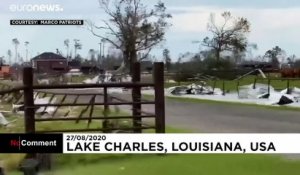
{"type": "Point", "coordinates": [253, 93]}
{"type": "Point", "coordinates": [43, 81]}
{"type": "Point", "coordinates": [256, 91]}
{"type": "Point", "coordinates": [3, 121]}
{"type": "Point", "coordinates": [94, 80]}
{"type": "Point", "coordinates": [19, 108]}
{"type": "Point", "coordinates": [194, 89]}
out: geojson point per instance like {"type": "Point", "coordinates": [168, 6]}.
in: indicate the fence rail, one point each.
{"type": "Point", "coordinates": [31, 92]}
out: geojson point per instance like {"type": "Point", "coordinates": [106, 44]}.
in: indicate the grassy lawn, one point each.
{"type": "Point", "coordinates": [122, 164]}
{"type": "Point", "coordinates": [11, 163]}
{"type": "Point", "coordinates": [179, 164]}
{"type": "Point", "coordinates": [81, 78]}
{"type": "Point", "coordinates": [175, 164]}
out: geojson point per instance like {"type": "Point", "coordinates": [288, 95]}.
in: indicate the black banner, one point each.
{"type": "Point", "coordinates": [46, 22]}
{"type": "Point", "coordinates": [31, 143]}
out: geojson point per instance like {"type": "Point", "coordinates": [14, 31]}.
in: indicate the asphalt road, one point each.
{"type": "Point", "coordinates": [212, 118]}
{"type": "Point", "coordinates": [224, 118]}
{"type": "Point", "coordinates": [218, 118]}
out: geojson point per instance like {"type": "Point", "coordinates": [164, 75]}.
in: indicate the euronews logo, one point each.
{"type": "Point", "coordinates": [36, 8]}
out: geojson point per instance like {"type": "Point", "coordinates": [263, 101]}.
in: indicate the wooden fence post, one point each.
{"type": "Point", "coordinates": [159, 97]}
{"type": "Point", "coordinates": [254, 84]}
{"type": "Point", "coordinates": [28, 100]}
{"type": "Point", "coordinates": [269, 83]}
{"type": "Point", "coordinates": [214, 85]}
{"type": "Point", "coordinates": [237, 87]}
{"type": "Point", "coordinates": [223, 87]}
{"type": "Point", "coordinates": [288, 90]}
{"type": "Point", "coordinates": [105, 122]}
{"type": "Point", "coordinates": [136, 98]}
{"type": "Point", "coordinates": [29, 112]}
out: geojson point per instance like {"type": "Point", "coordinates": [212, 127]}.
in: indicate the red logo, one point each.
{"type": "Point", "coordinates": [14, 143]}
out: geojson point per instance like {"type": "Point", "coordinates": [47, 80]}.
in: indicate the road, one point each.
{"type": "Point", "coordinates": [212, 118]}
{"type": "Point", "coordinates": [216, 118]}
{"type": "Point", "coordinates": [224, 118]}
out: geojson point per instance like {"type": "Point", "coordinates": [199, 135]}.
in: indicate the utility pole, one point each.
{"type": "Point", "coordinates": [103, 42]}
{"type": "Point", "coordinates": [100, 54]}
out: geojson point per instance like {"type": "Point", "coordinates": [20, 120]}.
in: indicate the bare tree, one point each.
{"type": "Point", "coordinates": [26, 46]}
{"type": "Point", "coordinates": [291, 59]}
{"type": "Point", "coordinates": [230, 36]}
{"type": "Point", "coordinates": [9, 54]}
{"type": "Point", "coordinates": [67, 45]}
{"type": "Point", "coordinates": [77, 46]}
{"type": "Point", "coordinates": [16, 42]}
{"type": "Point", "coordinates": [132, 27]}
{"type": "Point", "coordinates": [275, 56]}
{"type": "Point", "coordinates": [167, 59]}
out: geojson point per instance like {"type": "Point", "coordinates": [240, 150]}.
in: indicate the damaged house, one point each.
{"type": "Point", "coordinates": [49, 62]}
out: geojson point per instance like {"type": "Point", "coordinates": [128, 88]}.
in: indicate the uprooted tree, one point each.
{"type": "Point", "coordinates": [230, 35]}
{"type": "Point", "coordinates": [132, 28]}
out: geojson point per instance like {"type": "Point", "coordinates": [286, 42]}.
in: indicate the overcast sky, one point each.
{"type": "Point", "coordinates": [273, 22]}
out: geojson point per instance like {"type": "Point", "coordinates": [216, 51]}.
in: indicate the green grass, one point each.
{"type": "Point", "coordinates": [212, 164]}
{"type": "Point", "coordinates": [12, 162]}
{"type": "Point", "coordinates": [80, 79]}
{"type": "Point", "coordinates": [175, 164]}
{"type": "Point", "coordinates": [179, 164]}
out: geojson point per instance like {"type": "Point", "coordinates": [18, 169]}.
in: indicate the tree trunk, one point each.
{"type": "Point", "coordinates": [132, 60]}
{"type": "Point", "coordinates": [126, 58]}
{"type": "Point", "coordinates": [218, 55]}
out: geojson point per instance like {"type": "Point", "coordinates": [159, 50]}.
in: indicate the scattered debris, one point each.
{"type": "Point", "coordinates": [256, 91]}
{"type": "Point", "coordinates": [108, 77]}
{"type": "Point", "coordinates": [278, 98]}
{"type": "Point", "coordinates": [292, 91]}
{"type": "Point", "coordinates": [94, 80]}
{"type": "Point", "coordinates": [252, 93]}
{"type": "Point", "coordinates": [46, 100]}
{"type": "Point", "coordinates": [252, 71]}
{"type": "Point", "coordinates": [43, 81]}
{"type": "Point", "coordinates": [284, 99]}
{"type": "Point", "coordinates": [171, 81]}
{"type": "Point", "coordinates": [74, 72]}
{"type": "Point", "coordinates": [3, 121]}
{"type": "Point", "coordinates": [194, 89]}
{"type": "Point", "coordinates": [19, 108]}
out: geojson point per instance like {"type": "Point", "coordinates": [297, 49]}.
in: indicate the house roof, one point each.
{"type": "Point", "coordinates": [49, 55]}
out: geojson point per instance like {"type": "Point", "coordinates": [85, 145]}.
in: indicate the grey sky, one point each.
{"type": "Point", "coordinates": [273, 22]}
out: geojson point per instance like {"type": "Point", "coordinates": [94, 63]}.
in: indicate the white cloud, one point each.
{"type": "Point", "coordinates": [269, 27]}
{"type": "Point", "coordinates": [192, 19]}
